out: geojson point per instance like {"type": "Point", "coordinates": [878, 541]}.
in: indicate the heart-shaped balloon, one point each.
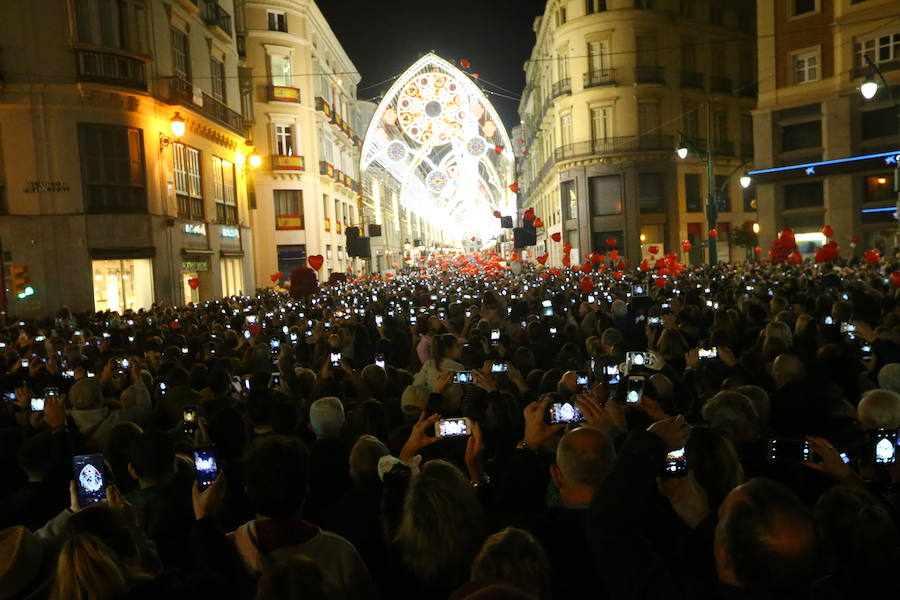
{"type": "Point", "coordinates": [660, 282]}
{"type": "Point", "coordinates": [556, 237]}
{"type": "Point", "coordinates": [653, 249]}
{"type": "Point", "coordinates": [617, 275]}
{"type": "Point", "coordinates": [499, 149]}
{"type": "Point", "coordinates": [895, 278]}
{"type": "Point", "coordinates": [543, 258]}
{"type": "Point", "coordinates": [614, 255]}
{"type": "Point", "coordinates": [554, 272]}
{"type": "Point", "coordinates": [538, 223]}
{"type": "Point", "coordinates": [317, 260]}
{"type": "Point", "coordinates": [873, 256]}
{"type": "Point", "coordinates": [567, 260]}
{"type": "Point", "coordinates": [587, 286]}
{"type": "Point", "coordinates": [514, 187]}
{"type": "Point", "coordinates": [611, 242]}
{"type": "Point", "coordinates": [685, 246]}
{"type": "Point", "coordinates": [828, 231]}
{"type": "Point", "coordinates": [529, 215]}
{"type": "Point", "coordinates": [194, 283]}
{"type": "Point", "coordinates": [596, 258]}
{"type": "Point", "coordinates": [275, 277]}
{"type": "Point", "coordinates": [586, 267]}
{"type": "Point", "coordinates": [497, 214]}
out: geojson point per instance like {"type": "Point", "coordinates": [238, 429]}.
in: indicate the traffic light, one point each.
{"type": "Point", "coordinates": [21, 282]}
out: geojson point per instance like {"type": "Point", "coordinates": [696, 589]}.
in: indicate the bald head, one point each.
{"type": "Point", "coordinates": [583, 458]}
{"type": "Point", "coordinates": [787, 368]}
{"type": "Point", "coordinates": [879, 408]}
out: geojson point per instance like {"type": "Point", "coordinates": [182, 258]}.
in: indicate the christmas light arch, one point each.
{"type": "Point", "coordinates": [436, 133]}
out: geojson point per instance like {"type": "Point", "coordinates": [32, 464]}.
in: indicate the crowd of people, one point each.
{"type": "Point", "coordinates": [729, 432]}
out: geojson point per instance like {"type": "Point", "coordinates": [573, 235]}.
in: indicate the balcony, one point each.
{"type": "Point", "coordinates": [217, 19]}
{"type": "Point", "coordinates": [280, 93]}
{"type": "Point", "coordinates": [186, 94]}
{"type": "Point", "coordinates": [561, 87]}
{"type": "Point", "coordinates": [649, 74]}
{"type": "Point", "coordinates": [323, 107]}
{"type": "Point", "coordinates": [189, 5]}
{"type": "Point", "coordinates": [326, 168]}
{"type": "Point", "coordinates": [615, 145]}
{"type": "Point", "coordinates": [747, 89]}
{"type": "Point", "coordinates": [288, 162]}
{"type": "Point", "coordinates": [111, 69]}
{"type": "Point", "coordinates": [721, 85]}
{"type": "Point", "coordinates": [600, 77]}
{"type": "Point", "coordinates": [690, 79]}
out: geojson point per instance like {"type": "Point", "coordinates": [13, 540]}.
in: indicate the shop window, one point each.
{"type": "Point", "coordinates": [188, 189]}
{"type": "Point", "coordinates": [112, 169]}
{"type": "Point", "coordinates": [651, 192]}
{"type": "Point", "coordinates": [569, 198]}
{"type": "Point", "coordinates": [288, 209]}
{"type": "Point", "coordinates": [692, 196]}
{"type": "Point", "coordinates": [232, 272]}
{"type": "Point", "coordinates": [605, 194]}
{"type": "Point", "coordinates": [122, 284]}
{"type": "Point", "coordinates": [223, 191]}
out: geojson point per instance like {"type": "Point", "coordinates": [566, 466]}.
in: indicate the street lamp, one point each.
{"type": "Point", "coordinates": [712, 208]}
{"type": "Point", "coordinates": [868, 90]}
{"type": "Point", "coordinates": [254, 160]}
{"type": "Point", "coordinates": [756, 229]}
{"type": "Point", "coordinates": [746, 180]}
{"type": "Point", "coordinates": [176, 127]}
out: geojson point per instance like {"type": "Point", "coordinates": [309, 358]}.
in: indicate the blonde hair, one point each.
{"type": "Point", "coordinates": [442, 523]}
{"type": "Point", "coordinates": [87, 569]}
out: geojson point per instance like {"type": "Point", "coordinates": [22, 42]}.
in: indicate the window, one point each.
{"type": "Point", "coordinates": [232, 276]}
{"type": "Point", "coordinates": [719, 124]}
{"type": "Point", "coordinates": [716, 16]}
{"type": "Point", "coordinates": [561, 16]}
{"type": "Point", "coordinates": [806, 67]}
{"type": "Point", "coordinates": [692, 197]}
{"type": "Point", "coordinates": [188, 190]}
{"type": "Point", "coordinates": [651, 192]}
{"type": "Point", "coordinates": [122, 284]}
{"type": "Point", "coordinates": [112, 24]}
{"type": "Point", "coordinates": [646, 50]}
{"type": "Point", "coordinates": [284, 140]}
{"type": "Point", "coordinates": [605, 195]}
{"type": "Point", "coordinates": [881, 48]}
{"type": "Point", "coordinates": [600, 237]}
{"type": "Point", "coordinates": [181, 62]}
{"type": "Point", "coordinates": [223, 191]}
{"type": "Point", "coordinates": [601, 124]}
{"type": "Point", "coordinates": [598, 56]}
{"type": "Point", "coordinates": [217, 72]}
{"type": "Point", "coordinates": [879, 188]}
{"type": "Point", "coordinates": [563, 64]}
{"type": "Point", "coordinates": [112, 169]}
{"type": "Point", "coordinates": [569, 197]}
{"type": "Point", "coordinates": [879, 123]}
{"type": "Point", "coordinates": [747, 128]}
{"type": "Point", "coordinates": [691, 121]}
{"type": "Point", "coordinates": [592, 6]}
{"type": "Point", "coordinates": [688, 54]}
{"type": "Point", "coordinates": [719, 57]}
{"type": "Point", "coordinates": [801, 135]}
{"type": "Point", "coordinates": [565, 129]}
{"type": "Point", "coordinates": [801, 7]}
{"type": "Point", "coordinates": [648, 118]}
{"type": "Point", "coordinates": [277, 21]}
{"type": "Point", "coordinates": [803, 195]}
{"type": "Point", "coordinates": [723, 194]}
{"type": "Point", "coordinates": [288, 209]}
{"type": "Point", "coordinates": [686, 8]}
{"type": "Point", "coordinates": [281, 70]}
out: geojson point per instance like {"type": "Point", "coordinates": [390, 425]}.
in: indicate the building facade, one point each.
{"type": "Point", "coordinates": [811, 66]}
{"type": "Point", "coordinates": [612, 87]}
{"type": "Point", "coordinates": [304, 125]}
{"type": "Point", "coordinates": [122, 140]}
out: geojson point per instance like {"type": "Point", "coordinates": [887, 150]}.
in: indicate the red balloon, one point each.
{"type": "Point", "coordinates": [617, 275]}
{"type": "Point", "coordinates": [713, 233]}
{"type": "Point", "coordinates": [653, 249]}
{"type": "Point", "coordinates": [828, 231]}
{"type": "Point", "coordinates": [685, 246]}
{"type": "Point", "coordinates": [316, 261]}
{"type": "Point", "coordinates": [895, 278]}
{"type": "Point", "coordinates": [787, 239]}
{"type": "Point", "coordinates": [538, 223]}
{"type": "Point", "coordinates": [194, 283]}
{"type": "Point", "coordinates": [497, 214]}
{"type": "Point", "coordinates": [854, 239]}
{"type": "Point", "coordinates": [757, 250]}
{"type": "Point", "coordinates": [795, 258]}
{"type": "Point", "coordinates": [464, 63]}
{"type": "Point", "coordinates": [644, 266]}
{"type": "Point", "coordinates": [553, 271]}
{"type": "Point", "coordinates": [275, 277]}
{"type": "Point", "coordinates": [587, 286]}
{"type": "Point", "coordinates": [567, 260]}
{"type": "Point", "coordinates": [614, 255]}
{"type": "Point", "coordinates": [660, 282]}
{"type": "Point", "coordinates": [514, 187]}
{"type": "Point", "coordinates": [586, 267]}
{"type": "Point", "coordinates": [529, 215]}
{"type": "Point", "coordinates": [542, 258]}
{"type": "Point", "coordinates": [556, 237]}
{"type": "Point", "coordinates": [596, 258]}
{"type": "Point", "coordinates": [611, 242]}
{"type": "Point", "coordinates": [499, 149]}
{"type": "Point", "coordinates": [873, 256]}
{"type": "Point", "coordinates": [620, 265]}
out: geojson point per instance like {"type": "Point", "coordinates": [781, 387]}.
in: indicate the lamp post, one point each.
{"type": "Point", "coordinates": [868, 90]}
{"type": "Point", "coordinates": [712, 208]}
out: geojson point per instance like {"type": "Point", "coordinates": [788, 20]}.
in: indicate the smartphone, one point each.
{"type": "Point", "coordinates": [582, 382]}
{"type": "Point", "coordinates": [9, 396]}
{"type": "Point", "coordinates": [455, 427]}
{"type": "Point", "coordinates": [637, 359]}
{"type": "Point", "coordinates": [379, 360]}
{"type": "Point", "coordinates": [247, 334]}
{"type": "Point", "coordinates": [849, 329]}
{"type": "Point", "coordinates": [495, 337]}
{"type": "Point", "coordinates": [90, 478]}
{"type": "Point", "coordinates": [829, 320]}
{"type": "Point", "coordinates": [412, 319]}
{"type": "Point", "coordinates": [705, 353]}
{"type": "Point", "coordinates": [40, 338]}
{"type": "Point", "coordinates": [69, 373]}
{"type": "Point", "coordinates": [884, 444]}
{"type": "Point", "coordinates": [379, 320]}
{"type": "Point", "coordinates": [184, 350]}
{"type": "Point", "coordinates": [676, 464]}
{"type": "Point", "coordinates": [638, 290]}
{"type": "Point", "coordinates": [334, 359]}
{"type": "Point", "coordinates": [499, 367]}
{"type": "Point", "coordinates": [564, 412]}
{"type": "Point", "coordinates": [190, 414]}
{"type": "Point", "coordinates": [163, 388]}
{"type": "Point", "coordinates": [274, 344]}
{"type": "Point", "coordinates": [37, 405]}
{"type": "Point", "coordinates": [611, 374]}
{"type": "Point", "coordinates": [867, 352]}
{"type": "Point", "coordinates": [206, 467]}
{"type": "Point", "coordinates": [275, 379]}
{"type": "Point", "coordinates": [784, 449]}
{"type": "Point", "coordinates": [24, 363]}
{"type": "Point", "coordinates": [251, 320]}
{"type": "Point", "coordinates": [294, 338]}
{"type": "Point", "coordinates": [468, 314]}
{"type": "Point", "coordinates": [547, 308]}
{"type": "Point", "coordinates": [463, 377]}
{"type": "Point", "coordinates": [247, 382]}
{"type": "Point", "coordinates": [655, 321]}
{"type": "Point", "coordinates": [591, 299]}
{"type": "Point", "coordinates": [635, 389]}
{"type": "Point", "coordinates": [123, 363]}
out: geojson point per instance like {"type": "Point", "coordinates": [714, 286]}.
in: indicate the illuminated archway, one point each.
{"type": "Point", "coordinates": [438, 136]}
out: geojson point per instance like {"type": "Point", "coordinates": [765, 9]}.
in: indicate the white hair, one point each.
{"type": "Point", "coordinates": [326, 417]}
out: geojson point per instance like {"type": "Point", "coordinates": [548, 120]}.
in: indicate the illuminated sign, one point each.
{"type": "Point", "coordinates": [827, 167]}
{"type": "Point", "coordinates": [230, 232]}
{"type": "Point", "coordinates": [195, 228]}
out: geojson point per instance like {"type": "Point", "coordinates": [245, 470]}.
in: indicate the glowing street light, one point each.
{"type": "Point", "coordinates": [745, 180]}
{"type": "Point", "coordinates": [177, 125]}
{"type": "Point", "coordinates": [254, 160]}
{"type": "Point", "coordinates": [756, 229]}
{"type": "Point", "coordinates": [682, 151]}
{"type": "Point", "coordinates": [869, 88]}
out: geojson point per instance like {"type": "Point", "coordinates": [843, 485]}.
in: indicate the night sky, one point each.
{"type": "Point", "coordinates": [384, 38]}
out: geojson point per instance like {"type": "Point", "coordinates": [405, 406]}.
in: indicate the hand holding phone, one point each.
{"type": "Point", "coordinates": [635, 389]}
{"type": "Point", "coordinates": [206, 467]}
{"type": "Point", "coordinates": [455, 427]}
{"type": "Point", "coordinates": [90, 478]}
